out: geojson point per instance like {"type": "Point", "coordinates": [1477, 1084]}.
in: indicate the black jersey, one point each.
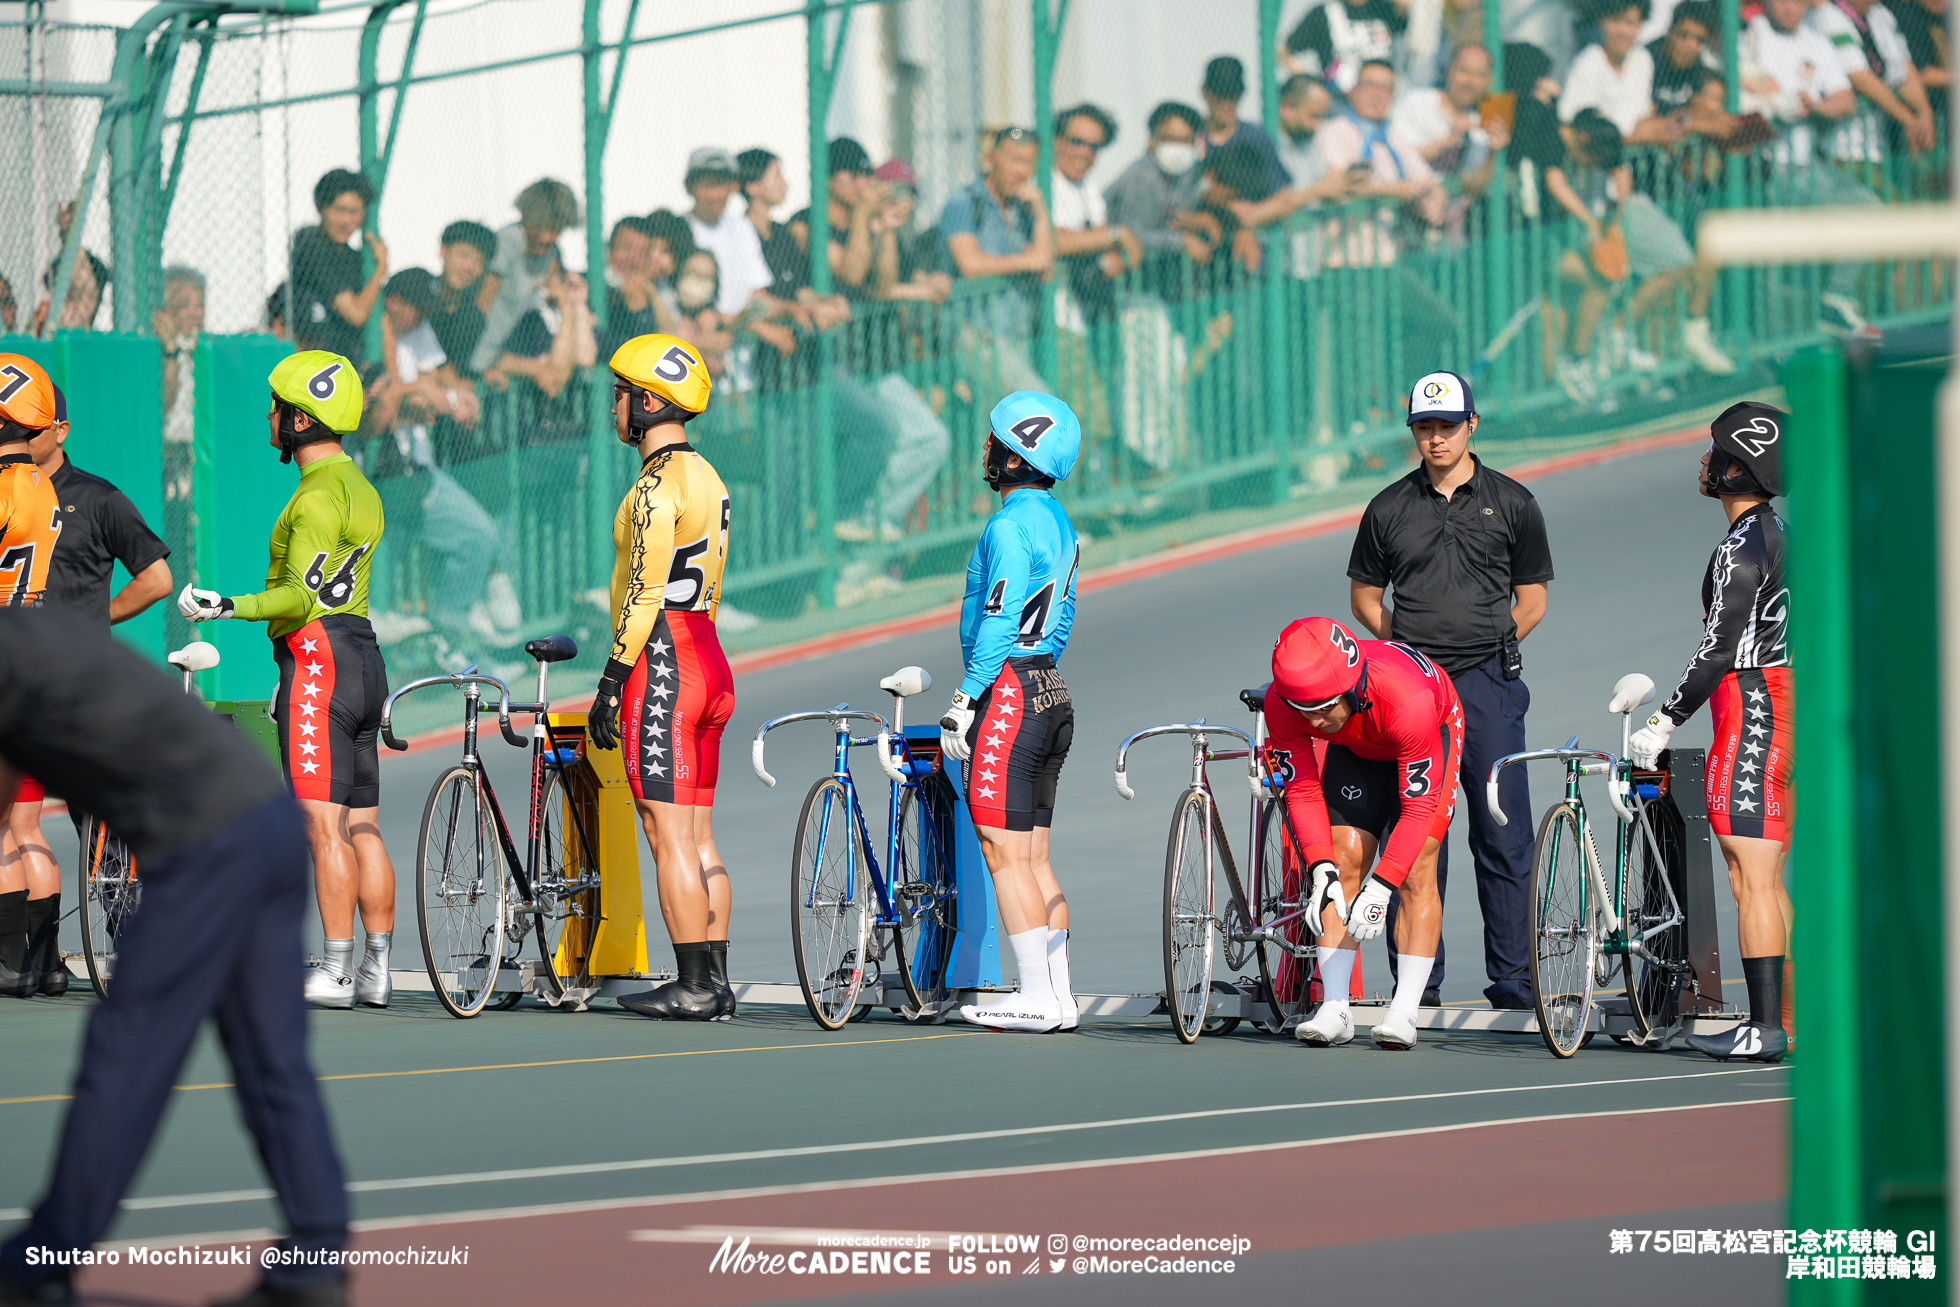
{"type": "Point", "coordinates": [100, 527]}
{"type": "Point", "coordinates": [1748, 611]}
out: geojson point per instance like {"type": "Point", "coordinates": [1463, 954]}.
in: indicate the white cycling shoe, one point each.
{"type": "Point", "coordinates": [1012, 1014]}
{"type": "Point", "coordinates": [1330, 1026]}
{"type": "Point", "coordinates": [327, 987]}
{"type": "Point", "coordinates": [1396, 1031]}
{"type": "Point", "coordinates": [1071, 1014]}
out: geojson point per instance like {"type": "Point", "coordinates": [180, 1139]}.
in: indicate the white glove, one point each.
{"type": "Point", "coordinates": [953, 728]}
{"type": "Point", "coordinates": [1326, 889]}
{"type": "Point", "coordinates": [1369, 916]}
{"type": "Point", "coordinates": [1649, 740]}
{"type": "Point", "coordinates": [203, 605]}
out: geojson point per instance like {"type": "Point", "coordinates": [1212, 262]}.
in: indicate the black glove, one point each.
{"type": "Point", "coordinates": [602, 722]}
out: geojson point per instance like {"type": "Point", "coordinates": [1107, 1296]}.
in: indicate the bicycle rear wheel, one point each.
{"type": "Point", "coordinates": [460, 881]}
{"type": "Point", "coordinates": [829, 922]}
{"type": "Point", "coordinates": [1653, 990]}
{"type": "Point", "coordinates": [565, 892]}
{"type": "Point", "coordinates": [110, 899]}
{"type": "Point", "coordinates": [1188, 897]}
{"type": "Point", "coordinates": [1276, 889]}
{"type": "Point", "coordinates": [1563, 940]}
{"type": "Point", "coordinates": [923, 894]}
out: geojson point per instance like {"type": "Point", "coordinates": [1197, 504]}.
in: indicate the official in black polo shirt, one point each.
{"type": "Point", "coordinates": [99, 528]}
{"type": "Point", "coordinates": [1464, 547]}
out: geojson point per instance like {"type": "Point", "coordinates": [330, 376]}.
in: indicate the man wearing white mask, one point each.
{"type": "Point", "coordinates": [1156, 197]}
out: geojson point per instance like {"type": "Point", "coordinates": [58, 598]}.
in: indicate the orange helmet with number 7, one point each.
{"type": "Point", "coordinates": [671, 371]}
{"type": "Point", "coordinates": [1316, 661]}
{"type": "Point", "coordinates": [26, 397]}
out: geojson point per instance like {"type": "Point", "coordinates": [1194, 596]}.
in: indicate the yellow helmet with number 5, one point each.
{"type": "Point", "coordinates": [669, 369]}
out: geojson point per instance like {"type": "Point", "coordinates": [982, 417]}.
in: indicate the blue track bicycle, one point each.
{"type": "Point", "coordinates": [850, 917]}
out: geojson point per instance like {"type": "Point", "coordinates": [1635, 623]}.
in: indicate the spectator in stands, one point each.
{"type": "Point", "coordinates": [1446, 125]}
{"type": "Point", "coordinates": [998, 226]}
{"type": "Point", "coordinates": [427, 385]}
{"type": "Point", "coordinates": [1156, 199]}
{"type": "Point", "coordinates": [760, 175]}
{"type": "Point", "coordinates": [278, 313]}
{"type": "Point", "coordinates": [331, 300]}
{"type": "Point", "coordinates": [1923, 25]}
{"type": "Point", "coordinates": [1091, 246]}
{"type": "Point", "coordinates": [1687, 82]}
{"type": "Point", "coordinates": [1791, 74]}
{"type": "Point", "coordinates": [855, 198]}
{"type": "Point", "coordinates": [1336, 38]}
{"type": "Point", "coordinates": [527, 256]}
{"type": "Point", "coordinates": [9, 309]}
{"type": "Point", "coordinates": [1615, 75]}
{"type": "Point", "coordinates": [1235, 174]}
{"type": "Point", "coordinates": [1223, 88]}
{"type": "Point", "coordinates": [634, 265]}
{"type": "Point", "coordinates": [1572, 163]}
{"type": "Point", "coordinates": [1875, 57]}
{"type": "Point", "coordinates": [177, 323]}
{"type": "Point", "coordinates": [728, 235]}
{"type": "Point", "coordinates": [550, 344]}
{"type": "Point", "coordinates": [697, 287]}
{"type": "Point", "coordinates": [83, 303]}
{"type": "Point", "coordinates": [912, 265]}
{"type": "Point", "coordinates": [467, 249]}
{"type": "Point", "coordinates": [1305, 104]}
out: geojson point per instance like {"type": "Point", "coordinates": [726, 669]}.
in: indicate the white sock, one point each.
{"type": "Point", "coordinates": [1031, 956]}
{"type": "Point", "coordinates": [340, 956]}
{"type": "Point", "coordinates": [1411, 978]}
{"type": "Point", "coordinates": [1336, 971]}
{"type": "Point", "coordinates": [1058, 977]}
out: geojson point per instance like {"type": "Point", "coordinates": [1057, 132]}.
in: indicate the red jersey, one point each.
{"type": "Point", "coordinates": [1413, 719]}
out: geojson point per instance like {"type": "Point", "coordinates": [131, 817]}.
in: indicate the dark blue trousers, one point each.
{"type": "Point", "coordinates": [1493, 725]}
{"type": "Point", "coordinates": [218, 935]}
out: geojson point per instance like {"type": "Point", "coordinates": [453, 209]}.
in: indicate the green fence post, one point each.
{"type": "Point", "coordinates": [1497, 243]}
{"type": "Point", "coordinates": [1734, 311]}
{"type": "Point", "coordinates": [1279, 422]}
{"type": "Point", "coordinates": [822, 73]}
{"type": "Point", "coordinates": [600, 435]}
{"type": "Point", "coordinates": [1826, 1150]}
{"type": "Point", "coordinates": [1046, 24]}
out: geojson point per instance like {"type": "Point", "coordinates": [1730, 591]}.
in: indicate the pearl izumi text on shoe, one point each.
{"type": "Point", "coordinates": [1396, 1031]}
{"type": "Point", "coordinates": [1015, 1014]}
{"type": "Point", "coordinates": [1333, 1024]}
{"type": "Point", "coordinates": [330, 983]}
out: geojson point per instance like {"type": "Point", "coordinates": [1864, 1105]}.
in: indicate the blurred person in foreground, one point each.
{"type": "Point", "coordinates": [223, 852]}
{"type": "Point", "coordinates": [331, 300]}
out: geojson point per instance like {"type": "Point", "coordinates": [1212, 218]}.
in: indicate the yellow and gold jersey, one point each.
{"type": "Point", "coordinates": [671, 533]}
{"type": "Point", "coordinates": [30, 521]}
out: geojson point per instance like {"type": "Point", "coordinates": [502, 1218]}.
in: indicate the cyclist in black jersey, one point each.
{"type": "Point", "coordinates": [1741, 669]}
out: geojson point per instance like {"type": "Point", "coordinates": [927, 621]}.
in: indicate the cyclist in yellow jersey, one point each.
{"type": "Point", "coordinates": [30, 523]}
{"type": "Point", "coordinates": [667, 692]}
{"type": "Point", "coordinates": [331, 677]}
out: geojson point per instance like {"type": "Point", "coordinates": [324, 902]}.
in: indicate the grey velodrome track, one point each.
{"type": "Point", "coordinates": [1629, 537]}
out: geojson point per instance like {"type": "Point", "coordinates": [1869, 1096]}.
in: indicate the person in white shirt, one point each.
{"type": "Point", "coordinates": [1873, 54]}
{"type": "Point", "coordinates": [1446, 126]}
{"type": "Point", "coordinates": [1616, 77]}
{"type": "Point", "coordinates": [723, 232]}
{"type": "Point", "coordinates": [1079, 216]}
{"type": "Point", "coordinates": [1791, 74]}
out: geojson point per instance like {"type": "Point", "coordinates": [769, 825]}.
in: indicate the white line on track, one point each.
{"type": "Point", "coordinates": [928, 1177]}
{"type": "Point", "coordinates": [164, 1201]}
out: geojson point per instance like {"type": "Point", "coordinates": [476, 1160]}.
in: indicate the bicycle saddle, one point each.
{"type": "Point", "coordinates": [907, 681]}
{"type": "Point", "coordinates": [552, 649]}
{"type": "Point", "coordinates": [1255, 697]}
{"type": "Point", "coordinates": [195, 656]}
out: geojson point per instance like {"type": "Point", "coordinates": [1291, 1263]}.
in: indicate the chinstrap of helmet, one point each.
{"type": "Point", "coordinates": [1001, 477]}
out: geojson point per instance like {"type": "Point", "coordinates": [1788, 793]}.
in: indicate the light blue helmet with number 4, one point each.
{"type": "Point", "coordinates": [1040, 428]}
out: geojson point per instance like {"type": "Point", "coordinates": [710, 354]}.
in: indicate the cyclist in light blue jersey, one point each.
{"type": "Point", "coordinates": [1011, 721]}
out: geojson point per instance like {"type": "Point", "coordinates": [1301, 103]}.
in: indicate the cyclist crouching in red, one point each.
{"type": "Point", "coordinates": [1369, 736]}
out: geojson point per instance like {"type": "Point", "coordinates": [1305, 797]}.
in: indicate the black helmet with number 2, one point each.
{"type": "Point", "coordinates": [1747, 458]}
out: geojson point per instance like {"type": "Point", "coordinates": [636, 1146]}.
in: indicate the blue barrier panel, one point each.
{"type": "Point", "coordinates": [975, 962]}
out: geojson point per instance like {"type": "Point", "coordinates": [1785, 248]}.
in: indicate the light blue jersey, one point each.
{"type": "Point", "coordinates": [1020, 587]}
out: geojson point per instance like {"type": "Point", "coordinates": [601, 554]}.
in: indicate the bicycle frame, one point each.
{"type": "Point", "coordinates": [1258, 778]}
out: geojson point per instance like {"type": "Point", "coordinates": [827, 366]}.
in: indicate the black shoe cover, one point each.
{"type": "Point", "coordinates": [691, 996]}
{"type": "Point", "coordinates": [718, 977]}
{"type": "Point", "coordinates": [1748, 1041]}
{"type": "Point", "coordinates": [44, 946]}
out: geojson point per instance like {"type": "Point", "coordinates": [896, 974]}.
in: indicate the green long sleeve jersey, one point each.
{"type": "Point", "coordinates": [322, 546]}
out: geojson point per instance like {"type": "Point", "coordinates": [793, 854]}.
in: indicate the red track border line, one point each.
{"type": "Point", "coordinates": [1136, 569]}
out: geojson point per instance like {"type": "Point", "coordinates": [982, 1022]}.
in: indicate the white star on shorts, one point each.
{"type": "Point", "coordinates": [310, 766]}
{"type": "Point", "coordinates": [309, 646]}
{"type": "Point", "coordinates": [308, 708]}
{"type": "Point", "coordinates": [1745, 805]}
{"type": "Point", "coordinates": [987, 794]}
{"type": "Point", "coordinates": [662, 670]}
{"type": "Point", "coordinates": [1006, 692]}
{"type": "Point", "coordinates": [989, 776]}
{"type": "Point", "coordinates": [989, 758]}
{"type": "Point", "coordinates": [659, 692]}
{"type": "Point", "coordinates": [656, 769]}
{"type": "Point", "coordinates": [1755, 694]}
{"type": "Point", "coordinates": [308, 747]}
{"type": "Point", "coordinates": [308, 728]}
{"type": "Point", "coordinates": [314, 669]}
{"type": "Point", "coordinates": [1745, 784]}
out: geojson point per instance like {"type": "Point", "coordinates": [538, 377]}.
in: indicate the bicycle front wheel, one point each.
{"type": "Point", "coordinates": [565, 893]}
{"type": "Point", "coordinates": [460, 882]}
{"type": "Point", "coordinates": [111, 894]}
{"type": "Point", "coordinates": [923, 896]}
{"type": "Point", "coordinates": [1188, 917]}
{"type": "Point", "coordinates": [829, 923]}
{"type": "Point", "coordinates": [1653, 989]}
{"type": "Point", "coordinates": [1563, 941]}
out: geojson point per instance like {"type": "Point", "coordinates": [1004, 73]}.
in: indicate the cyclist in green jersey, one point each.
{"type": "Point", "coordinates": [331, 678]}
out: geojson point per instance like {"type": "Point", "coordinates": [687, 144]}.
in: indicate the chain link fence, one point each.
{"type": "Point", "coordinates": [1239, 364]}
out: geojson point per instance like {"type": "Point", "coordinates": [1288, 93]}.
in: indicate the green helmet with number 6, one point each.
{"type": "Point", "coordinates": [324, 386]}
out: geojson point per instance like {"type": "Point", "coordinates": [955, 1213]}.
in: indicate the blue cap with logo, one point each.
{"type": "Point", "coordinates": [1444, 396]}
{"type": "Point", "coordinates": [1041, 429]}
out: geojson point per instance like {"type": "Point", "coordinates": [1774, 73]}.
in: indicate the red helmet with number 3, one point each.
{"type": "Point", "coordinates": [1316, 661]}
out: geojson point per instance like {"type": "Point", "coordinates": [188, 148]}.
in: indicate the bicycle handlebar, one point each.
{"type": "Point", "coordinates": [1615, 787]}
{"type": "Point", "coordinates": [1198, 729]}
{"type": "Point", "coordinates": [843, 712]}
{"type": "Point", "coordinates": [468, 676]}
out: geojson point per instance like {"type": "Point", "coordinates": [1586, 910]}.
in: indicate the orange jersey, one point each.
{"type": "Point", "coordinates": [671, 534]}
{"type": "Point", "coordinates": [30, 521]}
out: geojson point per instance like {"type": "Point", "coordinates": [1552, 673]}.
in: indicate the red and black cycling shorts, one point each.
{"type": "Point", "coordinates": [29, 790]}
{"type": "Point", "coordinates": [1022, 728]}
{"type": "Point", "coordinates": [1748, 777]}
{"type": "Point", "coordinates": [678, 698]}
{"type": "Point", "coordinates": [1366, 793]}
{"type": "Point", "coordinates": [332, 684]}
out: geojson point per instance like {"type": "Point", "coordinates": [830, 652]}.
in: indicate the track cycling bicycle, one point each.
{"type": "Point", "coordinates": [477, 903]}
{"type": "Point", "coordinates": [111, 892]}
{"type": "Point", "coordinates": [1586, 925]}
{"type": "Point", "coordinates": [848, 915]}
